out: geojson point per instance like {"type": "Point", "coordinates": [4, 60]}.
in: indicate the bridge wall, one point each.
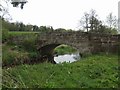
{"type": "Point", "coordinates": [104, 43]}
{"type": "Point", "coordinates": [77, 40]}
{"type": "Point", "coordinates": [83, 42]}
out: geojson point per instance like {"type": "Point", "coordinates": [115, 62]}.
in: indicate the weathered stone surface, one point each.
{"type": "Point", "coordinates": [85, 43]}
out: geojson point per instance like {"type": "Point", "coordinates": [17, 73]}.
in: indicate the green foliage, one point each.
{"type": "Point", "coordinates": [18, 38]}
{"type": "Point", "coordinates": [19, 51]}
{"type": "Point", "coordinates": [105, 30]}
{"type": "Point", "coordinates": [97, 71]}
{"type": "Point", "coordinates": [9, 26]}
{"type": "Point", "coordinates": [61, 30]}
{"type": "Point", "coordinates": [29, 43]}
{"type": "Point", "coordinates": [5, 35]}
{"type": "Point", "coordinates": [113, 31]}
{"type": "Point", "coordinates": [16, 55]}
{"type": "Point", "coordinates": [45, 29]}
{"type": "Point", "coordinates": [28, 28]}
{"type": "Point", "coordinates": [64, 49]}
{"type": "Point", "coordinates": [11, 55]}
{"type": "Point", "coordinates": [18, 26]}
{"type": "Point", "coordinates": [35, 28]}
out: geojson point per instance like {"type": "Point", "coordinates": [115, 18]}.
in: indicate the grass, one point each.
{"type": "Point", "coordinates": [64, 49]}
{"type": "Point", "coordinates": [21, 32]}
{"type": "Point", "coordinates": [97, 71]}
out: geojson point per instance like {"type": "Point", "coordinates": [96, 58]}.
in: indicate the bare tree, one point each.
{"type": "Point", "coordinates": [90, 21]}
{"type": "Point", "coordinates": [93, 18]}
{"type": "Point", "coordinates": [111, 21]}
{"type": "Point", "coordinates": [85, 21]}
{"type": "Point", "coordinates": [4, 8]}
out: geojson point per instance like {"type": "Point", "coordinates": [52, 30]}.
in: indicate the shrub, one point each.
{"type": "Point", "coordinates": [29, 43]}
{"type": "Point", "coordinates": [5, 35]}
{"type": "Point", "coordinates": [13, 57]}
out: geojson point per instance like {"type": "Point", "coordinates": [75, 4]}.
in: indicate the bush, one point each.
{"type": "Point", "coordinates": [20, 48]}
{"type": "Point", "coordinates": [13, 57]}
{"type": "Point", "coordinates": [5, 35]}
{"type": "Point", "coordinates": [29, 43]}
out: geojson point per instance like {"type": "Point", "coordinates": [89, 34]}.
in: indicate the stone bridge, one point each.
{"type": "Point", "coordinates": [83, 42]}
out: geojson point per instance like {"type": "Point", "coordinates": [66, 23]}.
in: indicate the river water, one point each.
{"type": "Point", "coordinates": [67, 58]}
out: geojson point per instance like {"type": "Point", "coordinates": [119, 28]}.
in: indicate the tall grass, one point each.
{"type": "Point", "coordinates": [13, 57]}
{"type": "Point", "coordinates": [97, 71]}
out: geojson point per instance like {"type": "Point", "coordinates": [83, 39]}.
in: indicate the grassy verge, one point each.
{"type": "Point", "coordinates": [97, 71]}
{"type": "Point", "coordinates": [20, 33]}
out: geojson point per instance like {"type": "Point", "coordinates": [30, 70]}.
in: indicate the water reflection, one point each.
{"type": "Point", "coordinates": [67, 58]}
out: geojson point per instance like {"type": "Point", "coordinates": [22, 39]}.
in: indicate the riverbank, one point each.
{"type": "Point", "coordinates": [95, 71]}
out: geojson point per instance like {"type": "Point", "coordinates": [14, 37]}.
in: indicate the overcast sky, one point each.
{"type": "Point", "coordinates": [61, 13]}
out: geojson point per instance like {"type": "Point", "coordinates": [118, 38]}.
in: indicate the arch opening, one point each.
{"type": "Point", "coordinates": [64, 49]}
{"type": "Point", "coordinates": [66, 53]}
{"type": "Point", "coordinates": [50, 51]}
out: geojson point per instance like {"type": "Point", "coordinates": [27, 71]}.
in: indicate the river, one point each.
{"type": "Point", "coordinates": [67, 58]}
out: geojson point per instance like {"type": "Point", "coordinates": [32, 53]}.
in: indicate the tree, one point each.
{"type": "Point", "coordinates": [90, 22]}
{"type": "Point", "coordinates": [85, 21]}
{"type": "Point", "coordinates": [17, 2]}
{"type": "Point", "coordinates": [111, 21]}
{"type": "Point", "coordinates": [46, 29]}
{"type": "Point", "coordinates": [21, 27]}
{"type": "Point", "coordinates": [35, 28]}
{"type": "Point", "coordinates": [95, 24]}
{"type": "Point", "coordinates": [93, 19]}
{"type": "Point", "coordinates": [29, 28]}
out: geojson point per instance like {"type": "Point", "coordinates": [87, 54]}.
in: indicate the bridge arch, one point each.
{"type": "Point", "coordinates": [85, 43]}
{"type": "Point", "coordinates": [47, 50]}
